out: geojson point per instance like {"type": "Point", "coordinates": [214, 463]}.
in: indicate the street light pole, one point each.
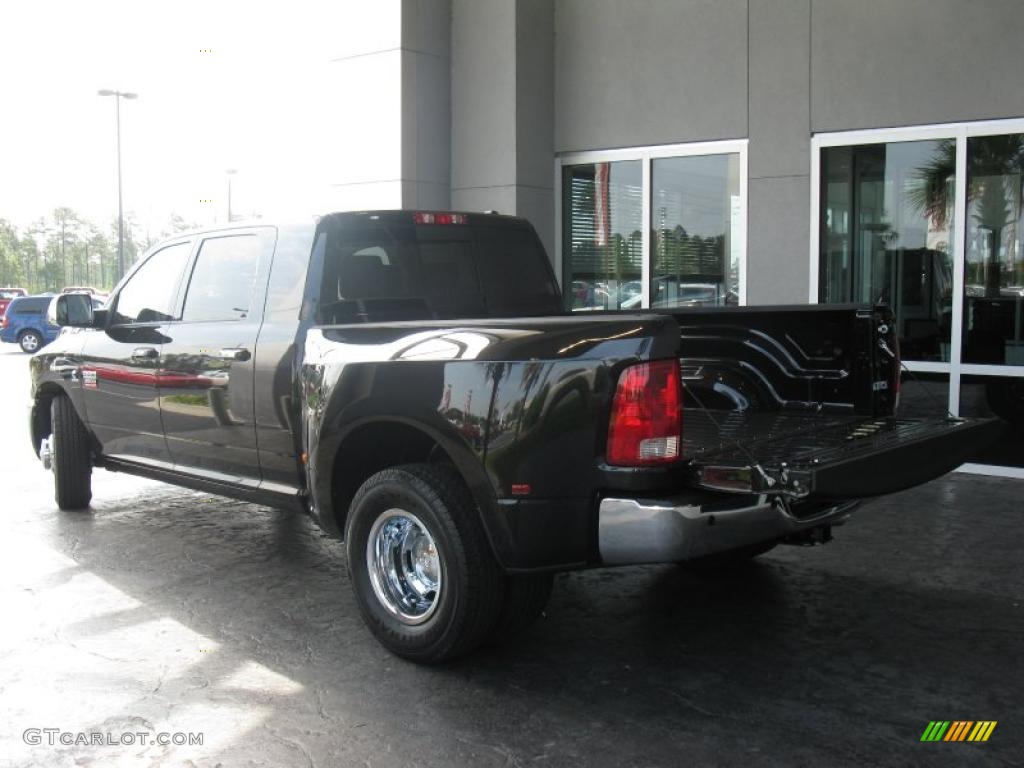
{"type": "Point", "coordinates": [118, 95]}
{"type": "Point", "coordinates": [230, 172]}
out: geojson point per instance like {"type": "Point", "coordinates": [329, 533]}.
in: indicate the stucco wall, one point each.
{"type": "Point", "coordinates": [636, 72]}
{"type": "Point", "coordinates": [648, 72]}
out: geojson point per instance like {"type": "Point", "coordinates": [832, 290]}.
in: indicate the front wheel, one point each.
{"type": "Point", "coordinates": [424, 577]}
{"type": "Point", "coordinates": [70, 456]}
{"type": "Point", "coordinates": [30, 342]}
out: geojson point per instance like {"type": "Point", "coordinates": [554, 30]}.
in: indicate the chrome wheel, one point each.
{"type": "Point", "coordinates": [404, 566]}
{"type": "Point", "coordinates": [30, 342]}
{"type": "Point", "coordinates": [47, 452]}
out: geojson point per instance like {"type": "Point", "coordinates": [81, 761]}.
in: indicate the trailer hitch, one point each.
{"type": "Point", "coordinates": [754, 478]}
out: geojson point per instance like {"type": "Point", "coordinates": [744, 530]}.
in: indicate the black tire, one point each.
{"type": "Point", "coordinates": [526, 595]}
{"type": "Point", "coordinates": [30, 342]}
{"type": "Point", "coordinates": [734, 558]}
{"type": "Point", "coordinates": [469, 600]}
{"type": "Point", "coordinates": [72, 458]}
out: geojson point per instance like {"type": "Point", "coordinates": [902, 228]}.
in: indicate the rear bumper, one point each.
{"type": "Point", "coordinates": [634, 531]}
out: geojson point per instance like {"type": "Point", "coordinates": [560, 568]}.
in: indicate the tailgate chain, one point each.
{"type": "Point", "coordinates": [755, 466]}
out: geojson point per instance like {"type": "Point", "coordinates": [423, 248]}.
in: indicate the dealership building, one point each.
{"type": "Point", "coordinates": [685, 152]}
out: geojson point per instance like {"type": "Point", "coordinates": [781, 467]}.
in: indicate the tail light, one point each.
{"type": "Point", "coordinates": [646, 426]}
{"type": "Point", "coordinates": [5, 321]}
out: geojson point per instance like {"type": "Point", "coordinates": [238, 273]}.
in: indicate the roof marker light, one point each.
{"type": "Point", "coordinates": [427, 217]}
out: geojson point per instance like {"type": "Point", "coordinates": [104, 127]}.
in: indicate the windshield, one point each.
{"type": "Point", "coordinates": [380, 272]}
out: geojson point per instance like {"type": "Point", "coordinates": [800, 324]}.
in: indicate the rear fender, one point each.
{"type": "Point", "coordinates": [324, 456]}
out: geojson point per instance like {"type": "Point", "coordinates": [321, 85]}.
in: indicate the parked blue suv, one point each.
{"type": "Point", "coordinates": [25, 323]}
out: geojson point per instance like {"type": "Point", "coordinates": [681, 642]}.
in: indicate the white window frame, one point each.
{"type": "Point", "coordinates": [646, 155]}
{"type": "Point", "coordinates": [960, 132]}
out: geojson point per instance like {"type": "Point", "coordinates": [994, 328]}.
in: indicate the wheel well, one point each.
{"type": "Point", "coordinates": [370, 449]}
{"type": "Point", "coordinates": [41, 426]}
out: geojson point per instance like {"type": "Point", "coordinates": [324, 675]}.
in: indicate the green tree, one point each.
{"type": "Point", "coordinates": [11, 272]}
{"type": "Point", "coordinates": [28, 259]}
{"type": "Point", "coordinates": [132, 247]}
{"type": "Point", "coordinates": [66, 227]}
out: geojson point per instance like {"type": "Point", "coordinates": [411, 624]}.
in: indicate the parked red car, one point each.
{"type": "Point", "coordinates": [6, 294]}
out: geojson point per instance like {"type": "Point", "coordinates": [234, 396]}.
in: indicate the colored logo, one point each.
{"type": "Point", "coordinates": [958, 730]}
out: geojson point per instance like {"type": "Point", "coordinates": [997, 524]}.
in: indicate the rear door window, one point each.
{"type": "Point", "coordinates": [31, 306]}
{"type": "Point", "coordinates": [223, 278]}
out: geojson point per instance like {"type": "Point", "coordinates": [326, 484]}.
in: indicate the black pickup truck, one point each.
{"type": "Point", "coordinates": [412, 381]}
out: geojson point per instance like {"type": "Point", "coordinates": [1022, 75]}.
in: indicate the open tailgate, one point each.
{"type": "Point", "coordinates": [825, 457]}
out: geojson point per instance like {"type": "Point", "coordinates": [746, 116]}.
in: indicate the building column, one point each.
{"type": "Point", "coordinates": [502, 116]}
{"type": "Point", "coordinates": [426, 103]}
{"type": "Point", "coordinates": [389, 107]}
{"type": "Point", "coordinates": [778, 191]}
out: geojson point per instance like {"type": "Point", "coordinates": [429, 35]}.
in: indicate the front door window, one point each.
{"type": "Point", "coordinates": [148, 296]}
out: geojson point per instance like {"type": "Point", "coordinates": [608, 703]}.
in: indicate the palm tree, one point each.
{"type": "Point", "coordinates": [990, 160]}
{"type": "Point", "coordinates": [993, 214]}
{"type": "Point", "coordinates": [987, 155]}
{"type": "Point", "coordinates": [932, 194]}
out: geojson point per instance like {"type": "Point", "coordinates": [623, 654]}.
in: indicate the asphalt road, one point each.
{"type": "Point", "coordinates": [164, 610]}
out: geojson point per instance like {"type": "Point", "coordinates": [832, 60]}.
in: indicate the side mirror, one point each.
{"type": "Point", "coordinates": [73, 310]}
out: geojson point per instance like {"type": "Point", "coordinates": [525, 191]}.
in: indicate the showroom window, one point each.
{"type": "Point", "coordinates": [930, 221]}
{"type": "Point", "coordinates": [886, 223]}
{"type": "Point", "coordinates": [993, 259]}
{"type": "Point", "coordinates": [656, 227]}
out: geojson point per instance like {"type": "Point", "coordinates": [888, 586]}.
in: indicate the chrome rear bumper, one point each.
{"type": "Point", "coordinates": [634, 531]}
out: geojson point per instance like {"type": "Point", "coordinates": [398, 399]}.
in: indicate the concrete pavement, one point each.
{"type": "Point", "coordinates": [164, 610]}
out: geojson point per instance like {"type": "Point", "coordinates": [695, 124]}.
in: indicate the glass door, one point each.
{"type": "Point", "coordinates": [993, 262]}
{"type": "Point", "coordinates": [886, 236]}
{"type": "Point", "coordinates": [695, 248]}
{"type": "Point", "coordinates": [991, 368]}
{"type": "Point", "coordinates": [930, 221]}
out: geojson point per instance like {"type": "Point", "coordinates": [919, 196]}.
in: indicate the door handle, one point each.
{"type": "Point", "coordinates": [145, 353]}
{"type": "Point", "coordinates": [235, 353]}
